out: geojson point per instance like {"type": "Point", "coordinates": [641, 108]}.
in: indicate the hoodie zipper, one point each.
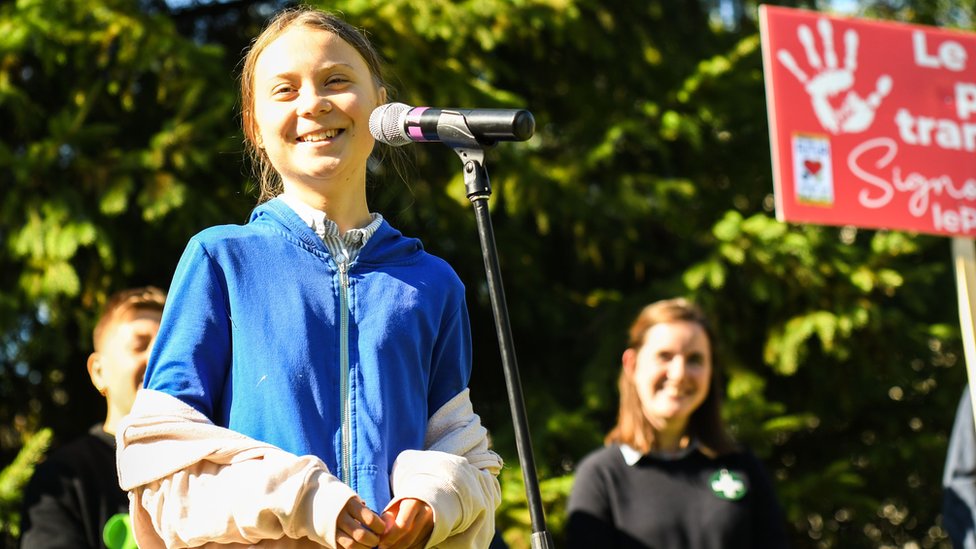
{"type": "Point", "coordinates": [345, 397]}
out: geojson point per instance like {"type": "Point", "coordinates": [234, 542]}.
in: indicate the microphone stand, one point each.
{"type": "Point", "coordinates": [452, 129]}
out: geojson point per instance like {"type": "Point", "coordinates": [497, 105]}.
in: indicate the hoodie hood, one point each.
{"type": "Point", "coordinates": [386, 246]}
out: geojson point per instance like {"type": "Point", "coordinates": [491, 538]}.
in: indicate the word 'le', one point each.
{"type": "Point", "coordinates": [950, 55]}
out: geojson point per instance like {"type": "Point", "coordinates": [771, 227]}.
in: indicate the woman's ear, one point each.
{"type": "Point", "coordinates": [382, 96]}
{"type": "Point", "coordinates": [629, 361]}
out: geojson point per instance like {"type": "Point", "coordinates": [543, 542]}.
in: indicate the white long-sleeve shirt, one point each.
{"type": "Point", "coordinates": [193, 483]}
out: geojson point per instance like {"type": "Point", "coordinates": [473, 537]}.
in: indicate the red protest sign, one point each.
{"type": "Point", "coordinates": [871, 124]}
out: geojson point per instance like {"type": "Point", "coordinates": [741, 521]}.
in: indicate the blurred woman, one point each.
{"type": "Point", "coordinates": [670, 476]}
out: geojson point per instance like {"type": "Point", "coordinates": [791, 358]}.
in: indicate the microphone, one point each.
{"type": "Point", "coordinates": [397, 124]}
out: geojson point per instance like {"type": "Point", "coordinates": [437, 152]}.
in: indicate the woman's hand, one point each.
{"type": "Point", "coordinates": [358, 527]}
{"type": "Point", "coordinates": [409, 523]}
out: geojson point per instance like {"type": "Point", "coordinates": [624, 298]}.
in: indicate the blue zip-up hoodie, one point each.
{"type": "Point", "coordinates": [265, 334]}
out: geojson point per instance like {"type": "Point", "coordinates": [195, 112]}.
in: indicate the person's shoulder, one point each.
{"type": "Point", "coordinates": [265, 218]}
{"type": "Point", "coordinates": [742, 459]}
{"type": "Point", "coordinates": [221, 233]}
{"type": "Point", "coordinates": [440, 267]}
{"type": "Point", "coordinates": [260, 233]}
{"type": "Point", "coordinates": [594, 470]}
{"type": "Point", "coordinates": [78, 454]}
{"type": "Point", "coordinates": [743, 454]}
{"type": "Point", "coordinates": [602, 458]}
{"type": "Point", "coordinates": [392, 247]}
{"type": "Point", "coordinates": [389, 244]}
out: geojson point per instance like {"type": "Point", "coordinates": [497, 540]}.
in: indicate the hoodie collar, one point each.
{"type": "Point", "coordinates": [349, 243]}
{"type": "Point", "coordinates": [385, 244]}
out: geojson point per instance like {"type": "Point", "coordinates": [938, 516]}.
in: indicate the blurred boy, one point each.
{"type": "Point", "coordinates": [75, 491]}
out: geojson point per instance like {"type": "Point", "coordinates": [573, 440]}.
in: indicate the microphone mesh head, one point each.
{"type": "Point", "coordinates": [386, 124]}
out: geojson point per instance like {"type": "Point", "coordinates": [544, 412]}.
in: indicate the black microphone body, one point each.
{"type": "Point", "coordinates": [398, 124]}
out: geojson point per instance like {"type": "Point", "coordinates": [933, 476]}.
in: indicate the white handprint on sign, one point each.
{"type": "Point", "coordinates": [855, 113]}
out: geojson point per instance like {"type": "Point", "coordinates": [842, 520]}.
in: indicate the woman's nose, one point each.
{"type": "Point", "coordinates": [313, 103]}
{"type": "Point", "coordinates": [676, 368]}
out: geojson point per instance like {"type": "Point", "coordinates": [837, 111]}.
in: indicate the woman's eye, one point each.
{"type": "Point", "coordinates": [336, 80]}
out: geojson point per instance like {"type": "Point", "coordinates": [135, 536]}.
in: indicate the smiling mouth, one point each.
{"type": "Point", "coordinates": [319, 136]}
{"type": "Point", "coordinates": [675, 392]}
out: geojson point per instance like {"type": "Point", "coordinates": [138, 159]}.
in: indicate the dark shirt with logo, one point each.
{"type": "Point", "coordinates": [688, 502]}
{"type": "Point", "coordinates": [72, 494]}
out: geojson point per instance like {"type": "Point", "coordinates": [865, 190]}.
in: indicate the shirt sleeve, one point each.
{"type": "Point", "coordinates": [590, 522]}
{"type": "Point", "coordinates": [192, 352]}
{"type": "Point", "coordinates": [769, 522]}
{"type": "Point", "coordinates": [456, 475]}
{"type": "Point", "coordinates": [50, 516]}
{"type": "Point", "coordinates": [451, 359]}
{"type": "Point", "coordinates": [192, 482]}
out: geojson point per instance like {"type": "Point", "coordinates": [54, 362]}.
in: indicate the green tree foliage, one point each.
{"type": "Point", "coordinates": [648, 177]}
{"type": "Point", "coordinates": [14, 477]}
{"type": "Point", "coordinates": [118, 139]}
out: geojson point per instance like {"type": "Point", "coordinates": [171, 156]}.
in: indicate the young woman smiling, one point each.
{"type": "Point", "coordinates": [309, 383]}
{"type": "Point", "coordinates": [670, 476]}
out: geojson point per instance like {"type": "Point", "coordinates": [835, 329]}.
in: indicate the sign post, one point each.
{"type": "Point", "coordinates": [964, 258]}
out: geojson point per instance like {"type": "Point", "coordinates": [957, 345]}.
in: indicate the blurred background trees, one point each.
{"type": "Point", "coordinates": [649, 176]}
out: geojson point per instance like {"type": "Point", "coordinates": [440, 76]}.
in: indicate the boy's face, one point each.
{"type": "Point", "coordinates": [117, 369]}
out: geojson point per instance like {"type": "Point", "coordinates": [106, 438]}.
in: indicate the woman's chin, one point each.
{"type": "Point", "coordinates": [673, 409]}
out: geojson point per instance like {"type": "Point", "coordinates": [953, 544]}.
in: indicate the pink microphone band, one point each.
{"type": "Point", "coordinates": [413, 119]}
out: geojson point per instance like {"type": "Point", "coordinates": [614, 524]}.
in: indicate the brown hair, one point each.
{"type": "Point", "coordinates": [123, 302]}
{"type": "Point", "coordinates": [268, 178]}
{"type": "Point", "coordinates": [705, 424]}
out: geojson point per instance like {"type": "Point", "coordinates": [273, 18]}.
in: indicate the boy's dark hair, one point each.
{"type": "Point", "coordinates": [123, 302]}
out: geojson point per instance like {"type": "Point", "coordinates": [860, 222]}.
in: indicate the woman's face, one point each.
{"type": "Point", "coordinates": [313, 94]}
{"type": "Point", "coordinates": [672, 372]}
